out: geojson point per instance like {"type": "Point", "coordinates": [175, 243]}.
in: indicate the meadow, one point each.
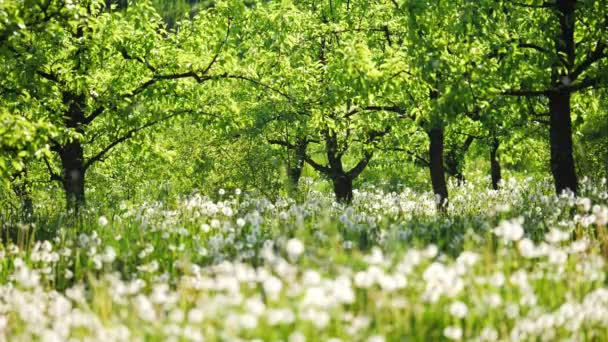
{"type": "Point", "coordinates": [517, 264]}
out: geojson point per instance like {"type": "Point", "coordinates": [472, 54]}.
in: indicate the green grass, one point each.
{"type": "Point", "coordinates": [387, 268]}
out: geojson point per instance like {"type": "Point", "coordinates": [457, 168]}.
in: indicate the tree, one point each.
{"type": "Point", "coordinates": [104, 75]}
{"type": "Point", "coordinates": [552, 51]}
{"type": "Point", "coordinates": [321, 63]}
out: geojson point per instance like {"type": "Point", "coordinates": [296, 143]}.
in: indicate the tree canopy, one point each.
{"type": "Point", "coordinates": [338, 89]}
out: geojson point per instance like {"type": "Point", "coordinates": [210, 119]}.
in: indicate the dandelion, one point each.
{"type": "Point", "coordinates": [294, 248]}
{"type": "Point", "coordinates": [488, 334]}
{"type": "Point", "coordinates": [453, 333]}
{"type": "Point", "coordinates": [376, 338]}
{"type": "Point", "coordinates": [109, 255]}
{"type": "Point", "coordinates": [272, 287]}
{"type": "Point", "coordinates": [296, 336]}
{"type": "Point", "coordinates": [102, 221]}
{"type": "Point", "coordinates": [459, 309]}
{"type": "Point", "coordinates": [240, 222]}
{"type": "Point", "coordinates": [510, 230]}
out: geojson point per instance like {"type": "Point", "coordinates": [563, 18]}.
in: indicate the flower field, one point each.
{"type": "Point", "coordinates": [509, 265]}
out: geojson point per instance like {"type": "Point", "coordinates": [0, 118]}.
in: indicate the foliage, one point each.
{"type": "Point", "coordinates": [207, 136]}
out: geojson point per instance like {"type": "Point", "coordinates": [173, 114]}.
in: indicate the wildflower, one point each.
{"type": "Point", "coordinates": [102, 221]}
{"type": "Point", "coordinates": [459, 309]}
{"type": "Point", "coordinates": [222, 192]}
{"type": "Point", "coordinates": [296, 336]}
{"type": "Point", "coordinates": [109, 254]}
{"type": "Point", "coordinates": [294, 248]}
{"type": "Point", "coordinates": [488, 334]}
{"type": "Point", "coordinates": [453, 333]}
{"type": "Point", "coordinates": [272, 287]}
{"type": "Point", "coordinates": [195, 316]}
{"type": "Point", "coordinates": [240, 222]}
{"type": "Point", "coordinates": [510, 230]}
{"type": "Point", "coordinates": [145, 309]}
{"type": "Point", "coordinates": [376, 338]}
{"type": "Point", "coordinates": [584, 204]}
{"type": "Point", "coordinates": [601, 215]}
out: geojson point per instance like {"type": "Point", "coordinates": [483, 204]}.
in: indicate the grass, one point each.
{"type": "Point", "coordinates": [514, 264]}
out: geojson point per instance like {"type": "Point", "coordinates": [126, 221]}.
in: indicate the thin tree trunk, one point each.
{"type": "Point", "coordinates": [296, 166]}
{"type": "Point", "coordinates": [440, 188]}
{"type": "Point", "coordinates": [560, 134]}
{"type": "Point", "coordinates": [495, 169]}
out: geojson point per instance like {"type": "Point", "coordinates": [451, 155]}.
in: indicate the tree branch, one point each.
{"type": "Point", "coordinates": [53, 174]}
{"type": "Point", "coordinates": [317, 166]}
{"type": "Point", "coordinates": [597, 54]}
{"type": "Point", "coordinates": [219, 50]}
{"type": "Point", "coordinates": [127, 136]}
{"type": "Point", "coordinates": [125, 54]}
{"type": "Point", "coordinates": [361, 165]}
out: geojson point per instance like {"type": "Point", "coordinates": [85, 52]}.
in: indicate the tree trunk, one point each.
{"type": "Point", "coordinates": [560, 134]}
{"type": "Point", "coordinates": [495, 163]}
{"type": "Point", "coordinates": [343, 188]}
{"type": "Point", "coordinates": [72, 161]}
{"type": "Point", "coordinates": [295, 166]}
{"type": "Point", "coordinates": [72, 153]}
{"type": "Point", "coordinates": [437, 169]}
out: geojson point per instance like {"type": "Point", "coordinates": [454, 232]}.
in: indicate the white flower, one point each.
{"type": "Point", "coordinates": [601, 215]}
{"type": "Point", "coordinates": [196, 316]}
{"type": "Point", "coordinates": [240, 222]}
{"type": "Point", "coordinates": [296, 336]}
{"type": "Point", "coordinates": [488, 334]}
{"type": "Point", "coordinates": [511, 230]}
{"type": "Point", "coordinates": [272, 286]}
{"type": "Point", "coordinates": [556, 235]}
{"type": "Point", "coordinates": [248, 321]}
{"type": "Point", "coordinates": [527, 249]}
{"type": "Point", "coordinates": [453, 333]}
{"type": "Point", "coordinates": [430, 251]}
{"type": "Point", "coordinates": [102, 221]}
{"type": "Point", "coordinates": [227, 211]}
{"type": "Point", "coordinates": [144, 308]}
{"type": "Point", "coordinates": [280, 316]}
{"type": "Point", "coordinates": [237, 191]}
{"type": "Point", "coordinates": [222, 192]}
{"type": "Point", "coordinates": [294, 248]}
{"type": "Point", "coordinates": [584, 203]}
{"type": "Point", "coordinates": [376, 257]}
{"type": "Point", "coordinates": [109, 254]}
{"type": "Point", "coordinates": [459, 309]}
{"type": "Point", "coordinates": [376, 338]}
